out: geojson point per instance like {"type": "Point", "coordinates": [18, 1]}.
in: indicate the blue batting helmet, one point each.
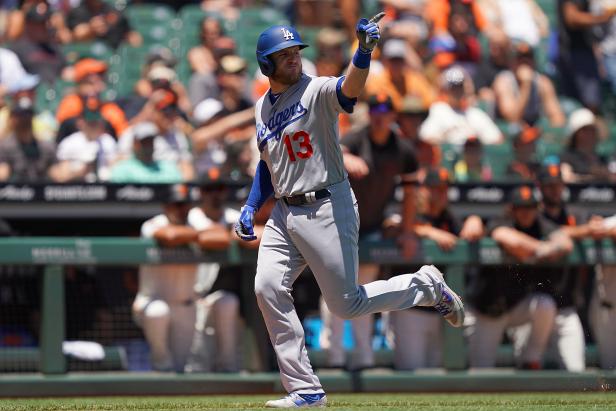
{"type": "Point", "coordinates": [272, 40]}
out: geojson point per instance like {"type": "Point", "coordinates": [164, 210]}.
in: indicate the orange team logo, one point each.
{"type": "Point", "coordinates": [553, 170]}
{"type": "Point", "coordinates": [213, 173]}
{"type": "Point", "coordinates": [525, 193]}
{"type": "Point", "coordinates": [443, 174]}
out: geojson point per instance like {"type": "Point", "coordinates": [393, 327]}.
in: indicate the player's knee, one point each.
{"type": "Point", "coordinates": [156, 309]}
{"type": "Point", "coordinates": [544, 305]}
{"type": "Point", "coordinates": [343, 309]}
{"type": "Point", "coordinates": [229, 302]}
{"type": "Point", "coordinates": [267, 289]}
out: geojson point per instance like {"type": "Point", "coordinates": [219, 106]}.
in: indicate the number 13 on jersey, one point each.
{"type": "Point", "coordinates": [301, 139]}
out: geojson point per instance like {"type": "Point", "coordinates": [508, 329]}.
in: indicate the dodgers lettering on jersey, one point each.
{"type": "Point", "coordinates": [298, 136]}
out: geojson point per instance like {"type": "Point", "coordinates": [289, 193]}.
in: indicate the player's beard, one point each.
{"type": "Point", "coordinates": [286, 77]}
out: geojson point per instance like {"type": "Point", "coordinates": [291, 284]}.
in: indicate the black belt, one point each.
{"type": "Point", "coordinates": [307, 198]}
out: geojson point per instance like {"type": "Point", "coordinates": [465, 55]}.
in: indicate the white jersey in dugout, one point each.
{"type": "Point", "coordinates": [298, 136]}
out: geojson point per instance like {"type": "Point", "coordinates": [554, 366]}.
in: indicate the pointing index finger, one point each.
{"type": "Point", "coordinates": [377, 17]}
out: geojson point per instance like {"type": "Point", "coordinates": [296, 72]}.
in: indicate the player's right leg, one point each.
{"type": "Point", "coordinates": [279, 264]}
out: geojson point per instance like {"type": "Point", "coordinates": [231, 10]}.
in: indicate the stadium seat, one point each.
{"type": "Point", "coordinates": [75, 51]}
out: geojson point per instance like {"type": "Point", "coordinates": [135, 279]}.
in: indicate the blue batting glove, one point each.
{"type": "Point", "coordinates": [244, 228]}
{"type": "Point", "coordinates": [368, 33]}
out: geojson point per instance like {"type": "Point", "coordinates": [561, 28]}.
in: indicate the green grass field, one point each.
{"type": "Point", "coordinates": [415, 402]}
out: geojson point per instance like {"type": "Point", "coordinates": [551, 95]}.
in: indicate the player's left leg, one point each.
{"type": "Point", "coordinates": [326, 234]}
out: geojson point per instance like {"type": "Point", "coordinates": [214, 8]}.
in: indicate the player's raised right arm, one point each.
{"type": "Point", "coordinates": [368, 34]}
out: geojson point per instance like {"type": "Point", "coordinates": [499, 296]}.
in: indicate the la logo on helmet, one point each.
{"type": "Point", "coordinates": [287, 34]}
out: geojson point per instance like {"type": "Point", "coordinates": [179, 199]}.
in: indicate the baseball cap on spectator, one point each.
{"type": "Point", "coordinates": [452, 78]}
{"type": "Point", "coordinates": [523, 196]}
{"type": "Point", "coordinates": [550, 173]}
{"type": "Point", "coordinates": [164, 73]}
{"type": "Point", "coordinates": [579, 119]}
{"type": "Point", "coordinates": [207, 110]}
{"type": "Point", "coordinates": [380, 103]}
{"type": "Point", "coordinates": [24, 83]}
{"type": "Point", "coordinates": [38, 13]}
{"type": "Point", "coordinates": [527, 135]}
{"type": "Point", "coordinates": [395, 48]}
{"type": "Point", "coordinates": [330, 37]}
{"type": "Point", "coordinates": [413, 105]}
{"type": "Point", "coordinates": [213, 180]}
{"type": "Point", "coordinates": [523, 49]}
{"type": "Point", "coordinates": [437, 177]}
{"type": "Point", "coordinates": [162, 55]}
{"type": "Point", "coordinates": [145, 130]}
{"type": "Point", "coordinates": [232, 64]}
{"type": "Point", "coordinates": [472, 142]}
{"type": "Point", "coordinates": [22, 106]}
{"type": "Point", "coordinates": [179, 193]}
{"type": "Point", "coordinates": [85, 67]}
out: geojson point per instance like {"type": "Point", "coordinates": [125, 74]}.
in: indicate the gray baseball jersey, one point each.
{"type": "Point", "coordinates": [298, 136]}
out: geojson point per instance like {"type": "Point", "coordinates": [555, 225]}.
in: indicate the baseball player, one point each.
{"type": "Point", "coordinates": [315, 220]}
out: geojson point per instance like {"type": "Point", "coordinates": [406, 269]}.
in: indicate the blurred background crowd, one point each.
{"type": "Point", "coordinates": [459, 91]}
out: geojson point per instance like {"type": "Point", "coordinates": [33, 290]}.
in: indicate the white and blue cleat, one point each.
{"type": "Point", "coordinates": [295, 400]}
{"type": "Point", "coordinates": [450, 304]}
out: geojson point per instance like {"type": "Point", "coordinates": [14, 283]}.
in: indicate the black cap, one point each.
{"type": "Point", "coordinates": [39, 13]}
{"type": "Point", "coordinates": [523, 196]}
{"type": "Point", "coordinates": [179, 193]}
{"type": "Point", "coordinates": [550, 173]}
{"type": "Point", "coordinates": [213, 180]}
{"type": "Point", "coordinates": [437, 177]}
{"type": "Point", "coordinates": [380, 103]}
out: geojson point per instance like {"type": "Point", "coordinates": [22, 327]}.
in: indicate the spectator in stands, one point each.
{"type": "Point", "coordinates": [399, 79]}
{"type": "Point", "coordinates": [203, 83]}
{"type": "Point", "coordinates": [520, 20]}
{"type": "Point", "coordinates": [15, 24]}
{"type": "Point", "coordinates": [408, 21]}
{"type": "Point", "coordinates": [524, 166]}
{"type": "Point", "coordinates": [171, 143]}
{"type": "Point", "coordinates": [602, 310]}
{"type": "Point", "coordinates": [216, 133]}
{"type": "Point", "coordinates": [217, 307]}
{"type": "Point", "coordinates": [418, 337]}
{"type": "Point", "coordinates": [158, 76]}
{"type": "Point", "coordinates": [37, 49]}
{"type": "Point", "coordinates": [577, 64]}
{"type": "Point", "coordinates": [503, 298]}
{"type": "Point", "coordinates": [15, 83]}
{"type": "Point", "coordinates": [607, 45]}
{"type": "Point", "coordinates": [497, 60]}
{"type": "Point", "coordinates": [459, 44]}
{"type": "Point", "coordinates": [143, 166]}
{"type": "Point", "coordinates": [203, 59]}
{"type": "Point", "coordinates": [22, 157]}
{"type": "Point", "coordinates": [331, 59]}
{"type": "Point", "coordinates": [374, 157]}
{"type": "Point", "coordinates": [97, 20]}
{"type": "Point", "coordinates": [472, 167]}
{"type": "Point", "coordinates": [164, 306]}
{"type": "Point", "coordinates": [453, 119]}
{"type": "Point", "coordinates": [89, 74]}
{"type": "Point", "coordinates": [580, 161]}
{"type": "Point", "coordinates": [410, 116]}
{"type": "Point", "coordinates": [88, 154]}
{"type": "Point", "coordinates": [523, 94]}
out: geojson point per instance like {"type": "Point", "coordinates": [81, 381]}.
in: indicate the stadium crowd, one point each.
{"type": "Point", "coordinates": [462, 91]}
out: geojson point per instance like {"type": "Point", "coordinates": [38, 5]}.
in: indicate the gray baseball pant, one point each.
{"type": "Point", "coordinates": [324, 236]}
